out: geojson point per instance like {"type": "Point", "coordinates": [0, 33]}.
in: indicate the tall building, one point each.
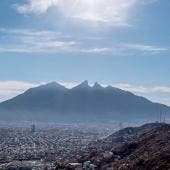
{"type": "Point", "coordinates": [33, 128]}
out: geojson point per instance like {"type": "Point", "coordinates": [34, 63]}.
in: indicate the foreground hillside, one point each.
{"type": "Point", "coordinates": [149, 149]}
{"type": "Point", "coordinates": [120, 137]}
{"type": "Point", "coordinates": [142, 148]}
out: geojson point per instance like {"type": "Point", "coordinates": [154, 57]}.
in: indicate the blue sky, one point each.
{"type": "Point", "coordinates": [115, 42]}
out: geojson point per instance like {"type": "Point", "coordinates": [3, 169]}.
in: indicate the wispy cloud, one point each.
{"type": "Point", "coordinates": [144, 48]}
{"type": "Point", "coordinates": [161, 89]}
{"type": "Point", "coordinates": [43, 41]}
{"type": "Point", "coordinates": [143, 89]}
{"type": "Point", "coordinates": [31, 41]}
{"type": "Point", "coordinates": [146, 2]}
{"type": "Point", "coordinates": [160, 94]}
{"type": "Point", "coordinates": [36, 6]}
{"type": "Point", "coordinates": [95, 50]}
{"type": "Point", "coordinates": [127, 49]}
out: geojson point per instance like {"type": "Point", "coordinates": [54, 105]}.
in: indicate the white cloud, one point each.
{"type": "Point", "coordinates": [114, 12]}
{"type": "Point", "coordinates": [69, 85]}
{"type": "Point", "coordinates": [143, 89]}
{"type": "Point", "coordinates": [37, 6]}
{"type": "Point", "coordinates": [38, 47]}
{"type": "Point", "coordinates": [131, 88]}
{"type": "Point", "coordinates": [28, 32]}
{"type": "Point", "coordinates": [161, 89]}
{"type": "Point", "coordinates": [9, 89]}
{"type": "Point", "coordinates": [95, 50]}
{"type": "Point", "coordinates": [159, 94]}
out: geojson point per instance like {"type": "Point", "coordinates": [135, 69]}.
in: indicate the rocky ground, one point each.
{"type": "Point", "coordinates": [143, 148]}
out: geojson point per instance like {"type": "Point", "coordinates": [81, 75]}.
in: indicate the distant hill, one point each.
{"type": "Point", "coordinates": [54, 102]}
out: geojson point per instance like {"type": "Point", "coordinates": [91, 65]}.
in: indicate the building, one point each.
{"type": "Point", "coordinates": [33, 128]}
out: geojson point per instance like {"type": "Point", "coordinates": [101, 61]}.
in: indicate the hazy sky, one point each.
{"type": "Point", "coordinates": [124, 43]}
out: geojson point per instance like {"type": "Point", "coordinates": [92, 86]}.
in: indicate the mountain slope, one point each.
{"type": "Point", "coordinates": [83, 102]}
{"type": "Point", "coordinates": [120, 137]}
{"type": "Point", "coordinates": [149, 151]}
{"type": "Point", "coordinates": [134, 148]}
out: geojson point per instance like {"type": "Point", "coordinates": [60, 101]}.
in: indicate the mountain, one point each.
{"type": "Point", "coordinates": [54, 102]}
